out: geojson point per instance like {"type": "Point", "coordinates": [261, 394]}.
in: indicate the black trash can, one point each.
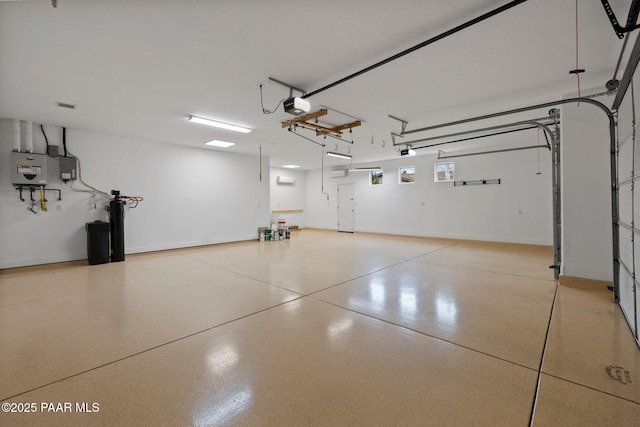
{"type": "Point", "coordinates": [97, 242]}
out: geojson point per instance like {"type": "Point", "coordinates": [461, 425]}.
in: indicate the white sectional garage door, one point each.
{"type": "Point", "coordinates": [628, 192]}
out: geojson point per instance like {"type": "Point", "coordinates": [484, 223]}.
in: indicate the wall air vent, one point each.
{"type": "Point", "coordinates": [66, 105]}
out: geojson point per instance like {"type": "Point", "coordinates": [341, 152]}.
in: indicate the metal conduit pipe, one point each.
{"type": "Point", "coordinates": [613, 167]}
{"type": "Point", "coordinates": [418, 46]}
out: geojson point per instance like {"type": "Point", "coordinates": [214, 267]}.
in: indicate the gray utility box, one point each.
{"type": "Point", "coordinates": [28, 168]}
{"type": "Point", "coordinates": [67, 168]}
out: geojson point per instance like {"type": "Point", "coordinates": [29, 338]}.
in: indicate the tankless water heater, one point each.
{"type": "Point", "coordinates": [28, 168]}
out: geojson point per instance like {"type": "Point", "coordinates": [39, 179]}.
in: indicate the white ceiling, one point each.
{"type": "Point", "coordinates": [138, 68]}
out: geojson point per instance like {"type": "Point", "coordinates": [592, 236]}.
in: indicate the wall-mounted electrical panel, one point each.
{"type": "Point", "coordinates": [67, 168]}
{"type": "Point", "coordinates": [28, 168]}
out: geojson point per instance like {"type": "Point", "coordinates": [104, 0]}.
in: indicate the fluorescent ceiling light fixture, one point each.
{"type": "Point", "coordinates": [367, 169]}
{"type": "Point", "coordinates": [338, 155]}
{"type": "Point", "coordinates": [291, 166]}
{"type": "Point", "coordinates": [222, 144]}
{"type": "Point", "coordinates": [218, 124]}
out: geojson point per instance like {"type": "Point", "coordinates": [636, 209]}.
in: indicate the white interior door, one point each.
{"type": "Point", "coordinates": [346, 208]}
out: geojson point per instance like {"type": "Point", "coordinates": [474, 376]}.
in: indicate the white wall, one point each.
{"type": "Point", "coordinates": [289, 196]}
{"type": "Point", "coordinates": [518, 210]}
{"type": "Point", "coordinates": [191, 197]}
{"type": "Point", "coordinates": [586, 193]}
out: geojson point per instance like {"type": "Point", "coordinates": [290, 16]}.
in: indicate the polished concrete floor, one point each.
{"type": "Point", "coordinates": [327, 329]}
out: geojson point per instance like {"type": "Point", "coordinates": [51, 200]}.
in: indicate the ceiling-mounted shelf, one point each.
{"type": "Point", "coordinates": [320, 129]}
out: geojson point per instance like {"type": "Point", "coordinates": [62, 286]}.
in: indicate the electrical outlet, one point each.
{"type": "Point", "coordinates": [58, 208]}
{"type": "Point", "coordinates": [519, 211]}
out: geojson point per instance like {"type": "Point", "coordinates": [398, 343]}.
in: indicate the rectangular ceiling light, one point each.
{"type": "Point", "coordinates": [222, 144]}
{"type": "Point", "coordinates": [218, 124]}
{"type": "Point", "coordinates": [338, 155]}
{"type": "Point", "coordinates": [291, 166]}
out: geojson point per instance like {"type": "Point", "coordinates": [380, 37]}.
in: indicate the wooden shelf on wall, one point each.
{"type": "Point", "coordinates": [287, 211]}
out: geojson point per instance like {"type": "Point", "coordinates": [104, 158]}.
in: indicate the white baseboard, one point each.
{"type": "Point", "coordinates": [14, 263]}
{"type": "Point", "coordinates": [603, 274]}
{"type": "Point", "coordinates": [540, 242]}
{"type": "Point", "coordinates": [169, 246]}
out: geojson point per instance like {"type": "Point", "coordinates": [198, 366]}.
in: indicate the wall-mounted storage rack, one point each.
{"type": "Point", "coordinates": [33, 189]}
{"type": "Point", "coordinates": [476, 182]}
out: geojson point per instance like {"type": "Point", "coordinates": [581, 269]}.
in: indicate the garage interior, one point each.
{"type": "Point", "coordinates": [456, 182]}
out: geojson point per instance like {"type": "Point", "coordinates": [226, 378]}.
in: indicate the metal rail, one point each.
{"type": "Point", "coordinates": [632, 64]}
{"type": "Point", "coordinates": [532, 123]}
{"type": "Point", "coordinates": [488, 135]}
{"type": "Point", "coordinates": [419, 46]}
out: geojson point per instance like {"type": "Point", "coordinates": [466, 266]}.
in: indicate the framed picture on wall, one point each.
{"type": "Point", "coordinates": [375, 177]}
{"type": "Point", "coordinates": [407, 175]}
{"type": "Point", "coordinates": [443, 172]}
